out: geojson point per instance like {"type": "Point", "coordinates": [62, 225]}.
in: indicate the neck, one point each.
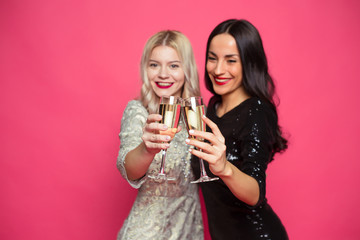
{"type": "Point", "coordinates": [231, 100]}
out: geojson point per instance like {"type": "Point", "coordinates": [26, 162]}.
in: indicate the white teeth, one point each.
{"type": "Point", "coordinates": [164, 84]}
{"type": "Point", "coordinates": [221, 80]}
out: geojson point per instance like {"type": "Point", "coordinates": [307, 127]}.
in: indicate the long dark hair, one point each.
{"type": "Point", "coordinates": [256, 80]}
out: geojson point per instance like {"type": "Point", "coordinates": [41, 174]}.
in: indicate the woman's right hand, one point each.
{"type": "Point", "coordinates": [138, 160]}
{"type": "Point", "coordinates": [153, 140]}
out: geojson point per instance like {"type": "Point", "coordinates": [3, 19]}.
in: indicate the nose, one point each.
{"type": "Point", "coordinates": [163, 73]}
{"type": "Point", "coordinates": [219, 68]}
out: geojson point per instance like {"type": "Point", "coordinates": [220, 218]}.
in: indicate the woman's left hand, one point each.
{"type": "Point", "coordinates": [214, 151]}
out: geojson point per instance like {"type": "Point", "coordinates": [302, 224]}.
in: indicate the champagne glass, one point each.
{"type": "Point", "coordinates": [169, 109]}
{"type": "Point", "coordinates": [194, 109]}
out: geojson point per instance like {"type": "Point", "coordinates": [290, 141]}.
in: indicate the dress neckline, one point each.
{"type": "Point", "coordinates": [228, 113]}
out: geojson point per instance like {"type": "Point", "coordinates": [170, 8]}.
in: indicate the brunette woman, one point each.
{"type": "Point", "coordinates": [243, 135]}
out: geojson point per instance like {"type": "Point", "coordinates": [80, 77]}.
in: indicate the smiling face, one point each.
{"type": "Point", "coordinates": [165, 72]}
{"type": "Point", "coordinates": [224, 65]}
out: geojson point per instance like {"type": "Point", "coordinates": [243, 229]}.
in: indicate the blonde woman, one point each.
{"type": "Point", "coordinates": [162, 210]}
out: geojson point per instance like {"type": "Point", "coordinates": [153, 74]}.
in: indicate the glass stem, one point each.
{"type": "Point", "coordinates": [162, 166]}
{"type": "Point", "coordinates": [202, 168]}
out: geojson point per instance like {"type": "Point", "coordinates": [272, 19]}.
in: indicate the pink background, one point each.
{"type": "Point", "coordinates": [68, 69]}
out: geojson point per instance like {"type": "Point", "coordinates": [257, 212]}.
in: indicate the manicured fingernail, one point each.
{"type": "Point", "coordinates": [190, 149]}
{"type": "Point", "coordinates": [168, 137]}
{"type": "Point", "coordinates": [191, 131]}
{"type": "Point", "coordinates": [187, 141]}
{"type": "Point", "coordinates": [165, 127]}
{"type": "Point", "coordinates": [204, 116]}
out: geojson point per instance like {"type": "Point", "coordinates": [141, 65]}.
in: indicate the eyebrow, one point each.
{"type": "Point", "coordinates": [175, 61]}
{"type": "Point", "coordinates": [226, 56]}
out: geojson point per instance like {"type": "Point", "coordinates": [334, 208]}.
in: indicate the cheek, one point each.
{"type": "Point", "coordinates": [209, 66]}
{"type": "Point", "coordinates": [238, 71]}
{"type": "Point", "coordinates": [235, 72]}
{"type": "Point", "coordinates": [179, 76]}
{"type": "Point", "coordinates": [151, 74]}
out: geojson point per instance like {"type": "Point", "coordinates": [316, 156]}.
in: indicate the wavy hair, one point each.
{"type": "Point", "coordinates": [256, 80]}
{"type": "Point", "coordinates": [182, 46]}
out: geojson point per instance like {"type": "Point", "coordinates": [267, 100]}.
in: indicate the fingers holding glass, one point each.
{"type": "Point", "coordinates": [169, 109]}
{"type": "Point", "coordinates": [194, 109]}
{"type": "Point", "coordinates": [151, 137]}
{"type": "Point", "coordinates": [213, 150]}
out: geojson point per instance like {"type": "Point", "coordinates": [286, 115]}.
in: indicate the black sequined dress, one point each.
{"type": "Point", "coordinates": [248, 130]}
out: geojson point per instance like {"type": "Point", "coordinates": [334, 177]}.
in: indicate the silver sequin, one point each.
{"type": "Point", "coordinates": [161, 210]}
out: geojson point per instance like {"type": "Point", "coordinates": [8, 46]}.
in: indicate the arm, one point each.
{"type": "Point", "coordinates": [139, 142]}
{"type": "Point", "coordinates": [243, 186]}
{"type": "Point", "coordinates": [139, 159]}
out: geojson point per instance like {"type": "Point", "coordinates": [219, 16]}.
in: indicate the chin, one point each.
{"type": "Point", "coordinates": [165, 92]}
{"type": "Point", "coordinates": [220, 91]}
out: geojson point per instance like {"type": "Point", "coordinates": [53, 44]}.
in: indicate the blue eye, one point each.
{"type": "Point", "coordinates": [153, 65]}
{"type": "Point", "coordinates": [174, 66]}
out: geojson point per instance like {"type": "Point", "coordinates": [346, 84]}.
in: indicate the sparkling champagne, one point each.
{"type": "Point", "coordinates": [169, 109]}
{"type": "Point", "coordinates": [193, 118]}
{"type": "Point", "coordinates": [194, 109]}
{"type": "Point", "coordinates": [170, 117]}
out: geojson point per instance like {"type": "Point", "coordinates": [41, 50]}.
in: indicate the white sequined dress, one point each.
{"type": "Point", "coordinates": [164, 210]}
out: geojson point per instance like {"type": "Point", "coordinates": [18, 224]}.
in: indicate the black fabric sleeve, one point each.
{"type": "Point", "coordinates": [256, 144]}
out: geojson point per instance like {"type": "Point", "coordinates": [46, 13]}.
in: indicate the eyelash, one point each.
{"type": "Point", "coordinates": [229, 61]}
{"type": "Point", "coordinates": [153, 65]}
{"type": "Point", "coordinates": [211, 58]}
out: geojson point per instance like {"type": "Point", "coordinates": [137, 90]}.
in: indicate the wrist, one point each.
{"type": "Point", "coordinates": [146, 153]}
{"type": "Point", "coordinates": [228, 170]}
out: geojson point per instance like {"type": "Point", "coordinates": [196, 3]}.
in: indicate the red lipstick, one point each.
{"type": "Point", "coordinates": [163, 86]}
{"type": "Point", "coordinates": [221, 80]}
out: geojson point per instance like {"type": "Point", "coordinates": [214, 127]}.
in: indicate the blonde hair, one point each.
{"type": "Point", "coordinates": [182, 46]}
